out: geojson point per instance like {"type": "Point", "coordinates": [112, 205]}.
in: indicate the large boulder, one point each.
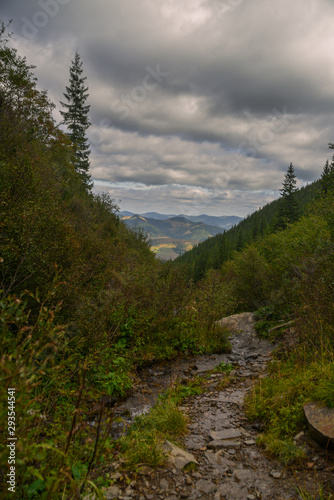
{"type": "Point", "coordinates": [320, 421]}
{"type": "Point", "coordinates": [237, 322]}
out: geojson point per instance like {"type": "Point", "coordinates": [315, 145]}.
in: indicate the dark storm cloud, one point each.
{"type": "Point", "coordinates": [213, 96]}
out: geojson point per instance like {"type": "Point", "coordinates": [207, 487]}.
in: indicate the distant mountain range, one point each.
{"type": "Point", "coordinates": [171, 235]}
{"type": "Point", "coordinates": [224, 221]}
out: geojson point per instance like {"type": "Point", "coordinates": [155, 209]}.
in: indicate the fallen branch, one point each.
{"type": "Point", "coordinates": [277, 327]}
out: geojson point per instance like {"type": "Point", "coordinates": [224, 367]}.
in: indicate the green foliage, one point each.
{"type": "Point", "coordinates": [284, 449]}
{"type": "Point", "coordinates": [266, 318]}
{"type": "Point", "coordinates": [32, 361]}
{"type": "Point", "coordinates": [143, 443]}
{"type": "Point", "coordinates": [319, 494]}
{"type": "Point", "coordinates": [248, 275]}
{"type": "Point", "coordinates": [143, 447]}
{"type": "Point", "coordinates": [117, 381]}
{"type": "Point", "coordinates": [179, 392]}
{"type": "Point", "coordinates": [327, 178]}
{"type": "Point", "coordinates": [223, 368]}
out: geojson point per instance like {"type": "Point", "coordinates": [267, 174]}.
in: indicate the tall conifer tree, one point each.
{"type": "Point", "coordinates": [76, 118]}
{"type": "Point", "coordinates": [288, 208]}
{"type": "Point", "coordinates": [327, 176]}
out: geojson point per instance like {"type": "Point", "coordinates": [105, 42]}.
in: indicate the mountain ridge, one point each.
{"type": "Point", "coordinates": [222, 221]}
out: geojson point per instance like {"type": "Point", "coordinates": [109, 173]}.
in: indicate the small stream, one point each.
{"type": "Point", "coordinates": [158, 378]}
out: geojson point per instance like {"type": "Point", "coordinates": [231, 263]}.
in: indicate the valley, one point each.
{"type": "Point", "coordinates": [171, 236]}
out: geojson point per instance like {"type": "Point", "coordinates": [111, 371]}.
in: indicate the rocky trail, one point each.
{"type": "Point", "coordinates": [222, 443]}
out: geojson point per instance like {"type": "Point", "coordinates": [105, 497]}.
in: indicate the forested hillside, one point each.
{"type": "Point", "coordinates": [170, 237]}
{"type": "Point", "coordinates": [213, 252]}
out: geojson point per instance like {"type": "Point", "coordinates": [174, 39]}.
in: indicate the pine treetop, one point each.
{"type": "Point", "coordinates": [289, 183]}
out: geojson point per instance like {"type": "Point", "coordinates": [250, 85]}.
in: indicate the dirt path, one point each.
{"type": "Point", "coordinates": [230, 464]}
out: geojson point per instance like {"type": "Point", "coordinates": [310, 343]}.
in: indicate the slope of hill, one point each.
{"type": "Point", "coordinates": [224, 221]}
{"type": "Point", "coordinates": [171, 237]}
{"type": "Point", "coordinates": [216, 250]}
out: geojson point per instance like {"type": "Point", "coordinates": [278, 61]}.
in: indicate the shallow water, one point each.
{"type": "Point", "coordinates": [156, 380]}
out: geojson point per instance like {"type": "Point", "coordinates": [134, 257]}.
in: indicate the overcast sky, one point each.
{"type": "Point", "coordinates": [197, 106]}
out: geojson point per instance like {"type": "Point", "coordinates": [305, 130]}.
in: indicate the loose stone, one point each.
{"type": "Point", "coordinates": [225, 434]}
{"type": "Point", "coordinates": [217, 445]}
{"type": "Point", "coordinates": [242, 474]}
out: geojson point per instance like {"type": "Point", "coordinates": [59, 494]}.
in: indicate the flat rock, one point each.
{"type": "Point", "coordinates": [225, 434]}
{"type": "Point", "coordinates": [219, 444]}
{"type": "Point", "coordinates": [243, 475]}
{"type": "Point", "coordinates": [233, 399]}
{"type": "Point", "coordinates": [218, 459]}
{"type": "Point", "coordinates": [178, 457]}
{"type": "Point", "coordinates": [164, 485]}
{"type": "Point", "coordinates": [112, 492]}
{"type": "Point", "coordinates": [205, 486]}
{"type": "Point", "coordinates": [212, 458]}
{"type": "Point", "coordinates": [320, 421]}
{"type": "Point", "coordinates": [250, 442]}
{"type": "Point", "coordinates": [145, 470]}
{"type": "Point", "coordinates": [194, 442]}
{"type": "Point", "coordinates": [233, 491]}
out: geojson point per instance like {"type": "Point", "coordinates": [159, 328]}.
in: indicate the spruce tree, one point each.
{"type": "Point", "coordinates": [327, 176]}
{"type": "Point", "coordinates": [288, 208]}
{"type": "Point", "coordinates": [76, 119]}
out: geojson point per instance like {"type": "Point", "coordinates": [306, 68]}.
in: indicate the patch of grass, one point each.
{"type": "Point", "coordinates": [223, 383]}
{"type": "Point", "coordinates": [284, 449]}
{"type": "Point", "coordinates": [325, 390]}
{"type": "Point", "coordinates": [143, 443]}
{"type": "Point", "coordinates": [169, 419]}
{"type": "Point", "coordinates": [223, 368]}
{"type": "Point", "coordinates": [190, 467]}
{"type": "Point", "coordinates": [319, 495]}
{"type": "Point", "coordinates": [278, 401]}
{"type": "Point", "coordinates": [141, 446]}
{"type": "Point", "coordinates": [180, 391]}
{"type": "Point", "coordinates": [216, 340]}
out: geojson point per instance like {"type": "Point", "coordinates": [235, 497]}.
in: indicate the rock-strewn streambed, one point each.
{"type": "Point", "coordinates": [222, 442]}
